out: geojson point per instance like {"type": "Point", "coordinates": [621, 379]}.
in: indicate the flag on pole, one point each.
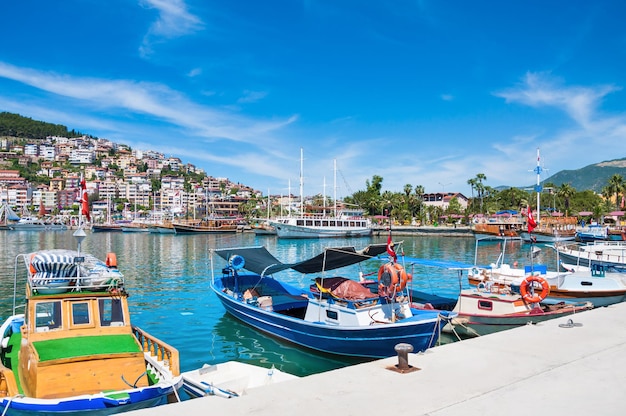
{"type": "Point", "coordinates": [531, 221]}
{"type": "Point", "coordinates": [84, 199]}
{"type": "Point", "coordinates": [390, 249]}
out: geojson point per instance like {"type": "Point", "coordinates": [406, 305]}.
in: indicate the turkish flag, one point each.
{"type": "Point", "coordinates": [531, 221]}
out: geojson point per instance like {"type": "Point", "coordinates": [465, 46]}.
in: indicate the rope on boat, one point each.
{"type": "Point", "coordinates": [6, 408]}
{"type": "Point", "coordinates": [175, 391]}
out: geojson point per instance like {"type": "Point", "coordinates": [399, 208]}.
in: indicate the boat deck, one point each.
{"type": "Point", "coordinates": [487, 375]}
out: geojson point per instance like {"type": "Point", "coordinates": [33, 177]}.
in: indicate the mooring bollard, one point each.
{"type": "Point", "coordinates": [403, 351]}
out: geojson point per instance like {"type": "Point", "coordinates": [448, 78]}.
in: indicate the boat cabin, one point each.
{"type": "Point", "coordinates": [75, 334]}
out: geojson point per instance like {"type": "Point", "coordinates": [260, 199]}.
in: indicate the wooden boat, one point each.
{"type": "Point", "coordinates": [214, 225]}
{"type": "Point", "coordinates": [486, 309]}
{"type": "Point", "coordinates": [609, 254]}
{"type": "Point", "coordinates": [506, 224]}
{"type": "Point", "coordinates": [75, 350]}
{"type": "Point", "coordinates": [111, 227]}
{"type": "Point", "coordinates": [551, 230]}
{"type": "Point", "coordinates": [230, 379]}
{"type": "Point", "coordinates": [342, 318]}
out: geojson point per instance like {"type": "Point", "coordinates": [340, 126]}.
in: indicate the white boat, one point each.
{"type": "Point", "coordinates": [591, 285]}
{"type": "Point", "coordinates": [485, 310]}
{"type": "Point", "coordinates": [230, 379]}
{"type": "Point", "coordinates": [345, 224]}
{"type": "Point", "coordinates": [37, 224]}
{"type": "Point", "coordinates": [575, 285]}
{"type": "Point", "coordinates": [609, 254]}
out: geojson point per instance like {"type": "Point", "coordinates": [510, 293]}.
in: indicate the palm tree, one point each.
{"type": "Point", "coordinates": [616, 186]}
{"type": "Point", "coordinates": [480, 188]}
{"type": "Point", "coordinates": [566, 191]}
{"type": "Point", "coordinates": [472, 184]}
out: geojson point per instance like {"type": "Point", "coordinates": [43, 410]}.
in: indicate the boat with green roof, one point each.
{"type": "Point", "coordinates": [74, 349]}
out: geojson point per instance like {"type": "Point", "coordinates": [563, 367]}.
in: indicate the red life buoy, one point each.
{"type": "Point", "coordinates": [528, 295]}
{"type": "Point", "coordinates": [392, 278]}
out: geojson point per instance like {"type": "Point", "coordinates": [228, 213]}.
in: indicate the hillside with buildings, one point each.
{"type": "Point", "coordinates": [44, 174]}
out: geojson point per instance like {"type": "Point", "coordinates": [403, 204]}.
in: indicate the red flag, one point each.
{"type": "Point", "coordinates": [390, 249]}
{"type": "Point", "coordinates": [531, 221]}
{"type": "Point", "coordinates": [84, 200]}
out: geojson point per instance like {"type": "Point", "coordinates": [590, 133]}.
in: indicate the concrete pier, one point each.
{"type": "Point", "coordinates": [550, 368]}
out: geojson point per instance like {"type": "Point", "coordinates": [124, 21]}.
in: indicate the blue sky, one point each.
{"type": "Point", "coordinates": [424, 92]}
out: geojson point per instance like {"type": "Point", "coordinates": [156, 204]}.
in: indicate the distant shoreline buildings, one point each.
{"type": "Point", "coordinates": [113, 172]}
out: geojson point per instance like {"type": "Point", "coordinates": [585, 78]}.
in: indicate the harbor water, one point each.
{"type": "Point", "coordinates": [168, 276]}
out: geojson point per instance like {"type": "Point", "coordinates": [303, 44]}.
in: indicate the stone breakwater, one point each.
{"type": "Point", "coordinates": [445, 231]}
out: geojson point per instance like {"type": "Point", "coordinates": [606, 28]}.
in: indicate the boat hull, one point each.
{"type": "Point", "coordinates": [295, 231]}
{"type": "Point", "coordinates": [192, 229]}
{"type": "Point", "coordinates": [104, 403]}
{"type": "Point", "coordinates": [374, 340]}
{"type": "Point", "coordinates": [230, 379]}
{"type": "Point", "coordinates": [539, 237]}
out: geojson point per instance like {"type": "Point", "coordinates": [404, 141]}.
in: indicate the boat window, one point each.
{"type": "Point", "coordinates": [48, 316]}
{"type": "Point", "coordinates": [80, 313]}
{"type": "Point", "coordinates": [300, 222]}
{"type": "Point", "coordinates": [317, 223]}
{"type": "Point", "coordinates": [308, 223]}
{"type": "Point", "coordinates": [332, 223]}
{"type": "Point", "coordinates": [332, 315]}
{"type": "Point", "coordinates": [486, 305]}
{"type": "Point", "coordinates": [111, 312]}
{"type": "Point", "coordinates": [325, 223]}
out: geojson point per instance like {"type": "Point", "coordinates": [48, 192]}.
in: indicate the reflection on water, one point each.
{"type": "Point", "coordinates": [168, 277]}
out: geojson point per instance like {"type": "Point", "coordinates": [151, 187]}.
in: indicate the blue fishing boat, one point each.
{"type": "Point", "coordinates": [336, 315]}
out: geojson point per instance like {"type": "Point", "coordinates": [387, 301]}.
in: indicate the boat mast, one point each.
{"type": "Point", "coordinates": [538, 171]}
{"type": "Point", "coordinates": [301, 183]}
{"type": "Point", "coordinates": [335, 186]}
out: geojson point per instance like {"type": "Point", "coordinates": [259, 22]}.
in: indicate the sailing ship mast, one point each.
{"type": "Point", "coordinates": [538, 171]}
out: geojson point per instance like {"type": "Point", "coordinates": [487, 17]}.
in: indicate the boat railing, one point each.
{"type": "Point", "coordinates": [591, 252]}
{"type": "Point", "coordinates": [159, 350]}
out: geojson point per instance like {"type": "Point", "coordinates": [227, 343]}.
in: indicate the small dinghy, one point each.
{"type": "Point", "coordinates": [230, 379]}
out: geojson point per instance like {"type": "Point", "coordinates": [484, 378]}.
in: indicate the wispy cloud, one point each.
{"type": "Point", "coordinates": [540, 89]}
{"type": "Point", "coordinates": [252, 96]}
{"type": "Point", "coordinates": [152, 99]}
{"type": "Point", "coordinates": [174, 20]}
{"type": "Point", "coordinates": [194, 72]}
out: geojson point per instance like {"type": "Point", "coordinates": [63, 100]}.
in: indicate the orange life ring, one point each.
{"type": "Point", "coordinates": [528, 294]}
{"type": "Point", "coordinates": [392, 278]}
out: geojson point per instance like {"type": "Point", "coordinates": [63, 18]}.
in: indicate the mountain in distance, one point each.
{"type": "Point", "coordinates": [592, 177]}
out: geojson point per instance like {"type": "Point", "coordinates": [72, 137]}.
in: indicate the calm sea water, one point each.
{"type": "Point", "coordinates": [168, 277]}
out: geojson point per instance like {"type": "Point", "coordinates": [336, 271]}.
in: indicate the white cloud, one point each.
{"type": "Point", "coordinates": [539, 89]}
{"type": "Point", "coordinates": [174, 20]}
{"type": "Point", "coordinates": [152, 99]}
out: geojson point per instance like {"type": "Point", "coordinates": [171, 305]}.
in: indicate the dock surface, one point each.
{"type": "Point", "coordinates": [536, 369]}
